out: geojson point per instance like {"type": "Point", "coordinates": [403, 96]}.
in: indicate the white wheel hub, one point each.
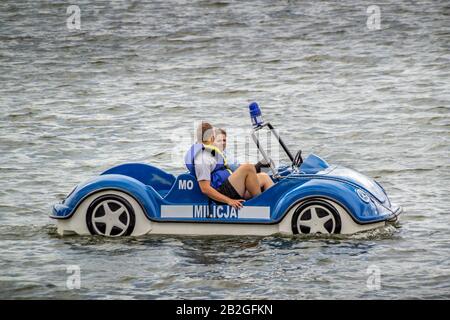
{"type": "Point", "coordinates": [111, 215]}
{"type": "Point", "coordinates": [316, 219]}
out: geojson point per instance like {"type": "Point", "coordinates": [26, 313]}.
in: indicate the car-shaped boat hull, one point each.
{"type": "Point", "coordinates": [136, 199]}
{"type": "Point", "coordinates": [307, 197]}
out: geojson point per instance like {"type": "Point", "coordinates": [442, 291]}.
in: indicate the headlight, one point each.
{"type": "Point", "coordinates": [364, 197]}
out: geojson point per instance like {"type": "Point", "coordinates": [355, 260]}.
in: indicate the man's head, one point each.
{"type": "Point", "coordinates": [221, 139]}
{"type": "Point", "coordinates": [205, 133]}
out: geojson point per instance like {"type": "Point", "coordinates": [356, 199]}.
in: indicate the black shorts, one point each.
{"type": "Point", "coordinates": [228, 190]}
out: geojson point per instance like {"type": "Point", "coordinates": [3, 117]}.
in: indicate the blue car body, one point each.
{"type": "Point", "coordinates": [159, 192]}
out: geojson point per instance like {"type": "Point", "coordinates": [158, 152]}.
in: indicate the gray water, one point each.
{"type": "Point", "coordinates": [76, 102]}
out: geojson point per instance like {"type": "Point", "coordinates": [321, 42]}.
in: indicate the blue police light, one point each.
{"type": "Point", "coordinates": [255, 115]}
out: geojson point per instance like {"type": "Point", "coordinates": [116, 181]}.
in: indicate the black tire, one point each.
{"type": "Point", "coordinates": [97, 211]}
{"type": "Point", "coordinates": [304, 213]}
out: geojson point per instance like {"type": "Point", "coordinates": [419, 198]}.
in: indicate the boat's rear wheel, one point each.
{"type": "Point", "coordinates": [110, 215]}
{"type": "Point", "coordinates": [316, 217]}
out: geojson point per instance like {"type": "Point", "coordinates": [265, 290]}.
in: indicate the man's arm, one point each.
{"type": "Point", "coordinates": [212, 193]}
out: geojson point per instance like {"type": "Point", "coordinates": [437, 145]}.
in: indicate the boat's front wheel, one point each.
{"type": "Point", "coordinates": [316, 216]}
{"type": "Point", "coordinates": [110, 215]}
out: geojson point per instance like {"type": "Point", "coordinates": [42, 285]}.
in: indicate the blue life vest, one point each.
{"type": "Point", "coordinates": [220, 173]}
{"type": "Point", "coordinates": [233, 164]}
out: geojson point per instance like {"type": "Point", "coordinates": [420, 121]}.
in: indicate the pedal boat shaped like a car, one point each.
{"type": "Point", "coordinates": [308, 197]}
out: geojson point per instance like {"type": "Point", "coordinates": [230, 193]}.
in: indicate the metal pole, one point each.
{"type": "Point", "coordinates": [264, 154]}
{"type": "Point", "coordinates": [281, 142]}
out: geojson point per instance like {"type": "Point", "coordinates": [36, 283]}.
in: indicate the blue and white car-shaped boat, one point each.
{"type": "Point", "coordinates": [308, 197]}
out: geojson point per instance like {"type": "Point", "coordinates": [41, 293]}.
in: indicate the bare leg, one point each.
{"type": "Point", "coordinates": [245, 179]}
{"type": "Point", "coordinates": [265, 182]}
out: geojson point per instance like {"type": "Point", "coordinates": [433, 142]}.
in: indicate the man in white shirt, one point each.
{"type": "Point", "coordinates": [216, 181]}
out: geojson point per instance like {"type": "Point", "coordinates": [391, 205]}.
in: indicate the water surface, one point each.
{"type": "Point", "coordinates": [76, 102]}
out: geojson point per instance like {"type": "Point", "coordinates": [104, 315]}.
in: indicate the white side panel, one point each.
{"type": "Point", "coordinates": [255, 213]}
{"type": "Point", "coordinates": [181, 228]}
{"type": "Point", "coordinates": [177, 211]}
{"type": "Point", "coordinates": [189, 211]}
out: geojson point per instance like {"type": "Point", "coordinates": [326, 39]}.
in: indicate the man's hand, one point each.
{"type": "Point", "coordinates": [237, 204]}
